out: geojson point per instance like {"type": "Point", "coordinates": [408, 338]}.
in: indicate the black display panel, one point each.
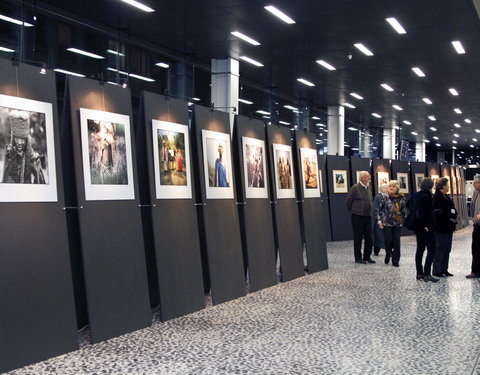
{"type": "Point", "coordinates": [324, 198]}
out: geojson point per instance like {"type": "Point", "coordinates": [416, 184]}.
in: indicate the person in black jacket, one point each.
{"type": "Point", "coordinates": [444, 223]}
{"type": "Point", "coordinates": [420, 219]}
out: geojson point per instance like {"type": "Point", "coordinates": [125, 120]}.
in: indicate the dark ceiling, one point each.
{"type": "Point", "coordinates": [328, 30]}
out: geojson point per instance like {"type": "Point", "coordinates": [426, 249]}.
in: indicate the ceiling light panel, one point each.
{"type": "Point", "coordinates": [251, 61]}
{"type": "Point", "coordinates": [139, 5]}
{"type": "Point", "coordinates": [279, 14]}
{"type": "Point", "coordinates": [356, 96]}
{"type": "Point", "coordinates": [305, 82]}
{"type": "Point", "coordinates": [453, 92]}
{"type": "Point", "coordinates": [85, 53]}
{"type": "Point", "coordinates": [376, 115]}
{"type": "Point", "coordinates": [363, 49]}
{"type": "Point", "coordinates": [418, 72]}
{"type": "Point", "coordinates": [396, 25]}
{"type": "Point", "coordinates": [349, 105]}
{"type": "Point", "coordinates": [458, 110]}
{"type": "Point", "coordinates": [326, 65]}
{"type": "Point", "coordinates": [397, 107]}
{"type": "Point", "coordinates": [387, 87]}
{"type": "Point", "coordinates": [458, 47]}
{"type": "Point", "coordinates": [244, 37]}
{"type": "Point", "coordinates": [427, 100]}
{"type": "Point", "coordinates": [15, 21]}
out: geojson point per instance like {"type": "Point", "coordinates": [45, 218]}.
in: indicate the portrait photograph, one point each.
{"type": "Point", "coordinates": [418, 180]}
{"type": "Point", "coordinates": [402, 179]}
{"type": "Point", "coordinates": [171, 156]}
{"type": "Point", "coordinates": [254, 167]}
{"type": "Point", "coordinates": [217, 164]}
{"type": "Point", "coordinates": [27, 151]}
{"type": "Point", "coordinates": [283, 166]}
{"type": "Point", "coordinates": [311, 187]}
{"type": "Point", "coordinates": [383, 178]}
{"type": "Point", "coordinates": [434, 177]}
{"type": "Point", "coordinates": [106, 155]}
{"type": "Point", "coordinates": [340, 183]}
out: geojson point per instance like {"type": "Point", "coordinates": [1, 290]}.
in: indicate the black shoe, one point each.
{"type": "Point", "coordinates": [395, 264]}
{"type": "Point", "coordinates": [448, 273]}
{"type": "Point", "coordinates": [370, 260]}
{"type": "Point", "coordinates": [387, 260]}
{"type": "Point", "coordinates": [361, 261]}
{"type": "Point", "coordinates": [438, 274]}
{"type": "Point", "coordinates": [430, 278]}
{"type": "Point", "coordinates": [420, 277]}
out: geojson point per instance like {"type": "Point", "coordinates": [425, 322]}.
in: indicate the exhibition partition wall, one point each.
{"type": "Point", "coordinates": [285, 211]}
{"type": "Point", "coordinates": [381, 173]}
{"type": "Point", "coordinates": [324, 199]}
{"type": "Point", "coordinates": [217, 207]}
{"type": "Point", "coordinates": [461, 174]}
{"type": "Point", "coordinates": [310, 206]}
{"type": "Point", "coordinates": [109, 215]}
{"type": "Point", "coordinates": [37, 317]}
{"type": "Point", "coordinates": [250, 156]}
{"type": "Point", "coordinates": [163, 142]}
{"type": "Point", "coordinates": [401, 173]}
{"type": "Point", "coordinates": [338, 177]}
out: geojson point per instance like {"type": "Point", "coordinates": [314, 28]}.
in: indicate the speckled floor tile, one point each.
{"type": "Point", "coordinates": [350, 319]}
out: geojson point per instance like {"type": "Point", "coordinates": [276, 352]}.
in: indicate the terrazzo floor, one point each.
{"type": "Point", "coordinates": [350, 319]}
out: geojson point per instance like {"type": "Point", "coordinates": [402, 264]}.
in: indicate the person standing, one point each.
{"type": "Point", "coordinates": [221, 173]}
{"type": "Point", "coordinates": [359, 203]}
{"type": "Point", "coordinates": [390, 218]}
{"type": "Point", "coordinates": [444, 219]}
{"type": "Point", "coordinates": [420, 219]}
{"type": "Point", "coordinates": [476, 230]}
{"type": "Point", "coordinates": [378, 238]}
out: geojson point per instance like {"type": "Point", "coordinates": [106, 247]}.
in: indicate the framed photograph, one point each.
{"type": "Point", "coordinates": [27, 151]}
{"type": "Point", "coordinates": [311, 187]}
{"type": "Point", "coordinates": [320, 180]}
{"type": "Point", "coordinates": [453, 182]}
{"type": "Point", "coordinates": [383, 178]}
{"type": "Point", "coordinates": [254, 167]}
{"type": "Point", "coordinates": [106, 155]}
{"type": "Point", "coordinates": [402, 179]}
{"type": "Point", "coordinates": [418, 179]}
{"type": "Point", "coordinates": [171, 159]}
{"type": "Point", "coordinates": [284, 181]}
{"type": "Point", "coordinates": [434, 177]}
{"type": "Point", "coordinates": [217, 163]}
{"type": "Point", "coordinates": [340, 182]}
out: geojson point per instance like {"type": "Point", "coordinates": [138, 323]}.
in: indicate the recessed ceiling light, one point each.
{"type": "Point", "coordinates": [112, 52]}
{"type": "Point", "coordinates": [278, 13]}
{"type": "Point", "coordinates": [262, 112]}
{"type": "Point", "coordinates": [468, 121]}
{"type": "Point", "coordinates": [315, 118]}
{"type": "Point", "coordinates": [137, 76]}
{"type": "Point", "coordinates": [139, 5]}
{"type": "Point", "coordinates": [284, 123]}
{"type": "Point", "coordinates": [349, 105]}
{"type": "Point", "coordinates": [396, 25]}
{"type": "Point", "coordinates": [456, 135]}
{"type": "Point", "coordinates": [433, 129]}
{"type": "Point", "coordinates": [68, 72]}
{"type": "Point", "coordinates": [244, 37]}
{"type": "Point", "coordinates": [387, 87]}
{"type": "Point", "coordinates": [432, 118]}
{"type": "Point", "coordinates": [85, 53]}
{"type": "Point", "coordinates": [435, 137]}
{"type": "Point", "coordinates": [363, 49]}
{"type": "Point", "coordinates": [5, 49]}
{"type": "Point", "coordinates": [453, 92]}
{"type": "Point", "coordinates": [477, 130]}
{"type": "Point", "coordinates": [414, 133]}
{"type": "Point", "coordinates": [438, 144]}
{"type": "Point", "coordinates": [472, 146]}
{"type": "Point", "coordinates": [163, 65]}
{"type": "Point", "coordinates": [454, 141]}
{"type": "Point", "coordinates": [397, 107]}
{"type": "Point", "coordinates": [251, 61]}
{"type": "Point", "coordinates": [418, 72]}
{"type": "Point", "coordinates": [376, 115]}
{"type": "Point", "coordinates": [407, 122]}
{"type": "Point", "coordinates": [457, 125]}
{"type": "Point", "coordinates": [353, 129]}
{"type": "Point", "coordinates": [15, 21]}
{"type": "Point", "coordinates": [355, 95]}
{"type": "Point", "coordinates": [426, 141]}
{"type": "Point", "coordinates": [474, 139]}
{"type": "Point", "coordinates": [427, 100]}
{"type": "Point", "coordinates": [305, 82]}
{"type": "Point", "coordinates": [245, 101]}
{"type": "Point", "coordinates": [326, 65]}
{"type": "Point", "coordinates": [458, 47]}
{"type": "Point", "coordinates": [457, 110]}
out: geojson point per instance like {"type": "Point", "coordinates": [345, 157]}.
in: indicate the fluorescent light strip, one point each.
{"type": "Point", "coordinates": [251, 61]}
{"type": "Point", "coordinates": [456, 135]}
{"type": "Point", "coordinates": [468, 121]}
{"type": "Point", "coordinates": [418, 72]}
{"type": "Point", "coordinates": [139, 5]}
{"type": "Point", "coordinates": [438, 144]}
{"type": "Point", "coordinates": [363, 49]}
{"type": "Point", "coordinates": [435, 137]}
{"type": "Point", "coordinates": [326, 65]}
{"type": "Point", "coordinates": [262, 112]}
{"type": "Point", "coordinates": [387, 87]}
{"type": "Point", "coordinates": [458, 47]}
{"type": "Point", "coordinates": [407, 122]}
{"type": "Point", "coordinates": [458, 110]}
{"type": "Point", "coordinates": [305, 82]}
{"type": "Point", "coordinates": [68, 72]}
{"type": "Point", "coordinates": [376, 115]}
{"type": "Point", "coordinates": [349, 105]}
{"type": "Point", "coordinates": [477, 130]}
{"type": "Point", "coordinates": [433, 129]}
{"type": "Point", "coordinates": [284, 123]}
{"type": "Point", "coordinates": [426, 141]}
{"type": "Point", "coordinates": [396, 25]}
{"type": "Point", "coordinates": [353, 129]}
{"type": "Point", "coordinates": [315, 118]}
{"type": "Point", "coordinates": [278, 13]}
{"type": "Point", "coordinates": [290, 107]}
{"type": "Point", "coordinates": [355, 95]}
{"type": "Point", "coordinates": [432, 118]}
{"type": "Point", "coordinates": [397, 107]}
{"type": "Point", "coordinates": [85, 53]}
{"type": "Point", "coordinates": [15, 21]}
{"type": "Point", "coordinates": [426, 100]}
{"type": "Point", "coordinates": [111, 51]}
{"type": "Point", "coordinates": [457, 125]}
{"type": "Point", "coordinates": [163, 65]}
{"type": "Point", "coordinates": [245, 101]}
{"type": "Point", "coordinates": [453, 92]}
{"type": "Point", "coordinates": [414, 133]}
{"type": "Point", "coordinates": [5, 49]}
{"type": "Point", "coordinates": [196, 99]}
{"type": "Point", "coordinates": [113, 83]}
{"type": "Point", "coordinates": [244, 37]}
{"type": "Point", "coordinates": [117, 71]}
{"type": "Point", "coordinates": [141, 77]}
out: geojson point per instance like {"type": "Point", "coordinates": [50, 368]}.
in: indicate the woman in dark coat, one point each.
{"type": "Point", "coordinates": [378, 240]}
{"type": "Point", "coordinates": [444, 220]}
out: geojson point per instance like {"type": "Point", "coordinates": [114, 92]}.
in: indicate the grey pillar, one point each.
{"type": "Point", "coordinates": [420, 151]}
{"type": "Point", "coordinates": [389, 143]}
{"type": "Point", "coordinates": [336, 130]}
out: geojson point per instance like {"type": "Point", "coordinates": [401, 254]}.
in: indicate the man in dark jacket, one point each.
{"type": "Point", "coordinates": [476, 230]}
{"type": "Point", "coordinates": [420, 219]}
{"type": "Point", "coordinates": [359, 203]}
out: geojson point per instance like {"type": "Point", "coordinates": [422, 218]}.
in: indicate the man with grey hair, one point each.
{"type": "Point", "coordinates": [476, 230]}
{"type": "Point", "coordinates": [359, 203]}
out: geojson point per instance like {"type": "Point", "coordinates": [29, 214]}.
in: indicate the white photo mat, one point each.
{"type": "Point", "coordinates": [283, 151]}
{"type": "Point", "coordinates": [250, 190]}
{"type": "Point", "coordinates": [310, 154]}
{"type": "Point", "coordinates": [21, 192]}
{"type": "Point", "coordinates": [339, 181]}
{"type": "Point", "coordinates": [403, 176]}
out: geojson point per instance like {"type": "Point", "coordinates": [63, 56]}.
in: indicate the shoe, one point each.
{"type": "Point", "coordinates": [370, 260]}
{"type": "Point", "coordinates": [438, 274]}
{"type": "Point", "coordinates": [387, 260]}
{"type": "Point", "coordinates": [448, 273]}
{"type": "Point", "coordinates": [420, 277]}
{"type": "Point", "coordinates": [430, 278]}
{"type": "Point", "coordinates": [472, 276]}
{"type": "Point", "coordinates": [395, 264]}
{"type": "Point", "coordinates": [361, 261]}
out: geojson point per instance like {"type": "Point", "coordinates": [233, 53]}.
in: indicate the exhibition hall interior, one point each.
{"type": "Point", "coordinates": [177, 179]}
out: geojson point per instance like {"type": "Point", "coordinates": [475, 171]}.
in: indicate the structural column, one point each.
{"type": "Point", "coordinates": [365, 143]}
{"type": "Point", "coordinates": [389, 143]}
{"type": "Point", "coordinates": [420, 151]}
{"type": "Point", "coordinates": [225, 86]}
{"type": "Point", "coordinates": [336, 130]}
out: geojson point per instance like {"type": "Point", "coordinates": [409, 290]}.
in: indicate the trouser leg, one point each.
{"type": "Point", "coordinates": [440, 249]}
{"type": "Point", "coordinates": [387, 232]}
{"type": "Point", "coordinates": [448, 249]}
{"type": "Point", "coordinates": [367, 232]}
{"type": "Point", "coordinates": [357, 236]}
{"type": "Point", "coordinates": [430, 242]}
{"type": "Point", "coordinates": [396, 244]}
{"type": "Point", "coordinates": [476, 250]}
{"type": "Point", "coordinates": [419, 253]}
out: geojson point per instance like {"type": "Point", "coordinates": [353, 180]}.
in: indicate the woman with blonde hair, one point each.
{"type": "Point", "coordinates": [390, 218]}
